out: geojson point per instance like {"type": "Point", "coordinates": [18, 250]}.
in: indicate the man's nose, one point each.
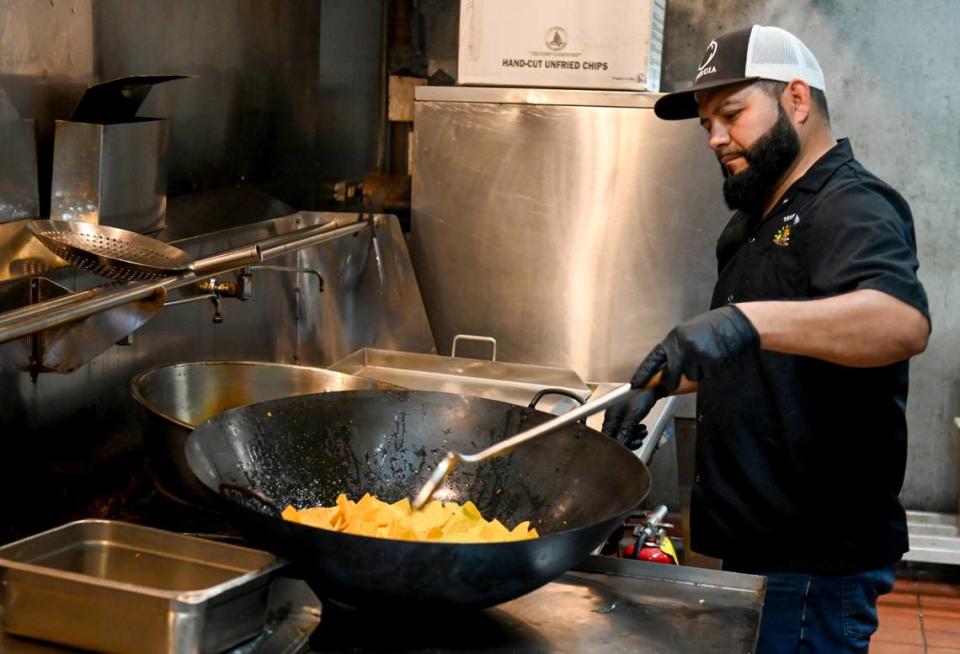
{"type": "Point", "coordinates": [719, 136]}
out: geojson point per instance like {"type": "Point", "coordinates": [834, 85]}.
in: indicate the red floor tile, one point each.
{"type": "Point", "coordinates": [940, 602]}
{"type": "Point", "coordinates": [902, 585]}
{"type": "Point", "coordinates": [899, 598]}
{"type": "Point", "coordinates": [902, 635]}
{"type": "Point", "coordinates": [949, 623]}
{"type": "Point", "coordinates": [894, 648]}
{"type": "Point", "coordinates": [942, 639]}
{"type": "Point", "coordinates": [937, 588]}
{"type": "Point", "coordinates": [904, 617]}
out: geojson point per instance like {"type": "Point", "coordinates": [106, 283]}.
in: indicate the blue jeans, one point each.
{"type": "Point", "coordinates": [816, 614]}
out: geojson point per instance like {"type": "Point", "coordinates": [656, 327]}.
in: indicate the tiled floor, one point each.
{"type": "Point", "coordinates": [920, 616]}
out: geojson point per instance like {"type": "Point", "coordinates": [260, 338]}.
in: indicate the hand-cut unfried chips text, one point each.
{"type": "Point", "coordinates": [447, 522]}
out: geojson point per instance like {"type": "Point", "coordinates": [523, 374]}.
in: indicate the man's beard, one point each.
{"type": "Point", "coordinates": [770, 157]}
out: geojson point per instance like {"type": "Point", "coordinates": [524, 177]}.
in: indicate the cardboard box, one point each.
{"type": "Point", "coordinates": [594, 44]}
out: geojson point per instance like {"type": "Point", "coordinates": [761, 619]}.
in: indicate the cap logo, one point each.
{"type": "Point", "coordinates": [705, 68]}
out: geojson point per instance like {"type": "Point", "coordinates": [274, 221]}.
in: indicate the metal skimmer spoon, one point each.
{"type": "Point", "coordinates": [450, 461]}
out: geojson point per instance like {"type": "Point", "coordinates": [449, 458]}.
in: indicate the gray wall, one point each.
{"type": "Point", "coordinates": [890, 68]}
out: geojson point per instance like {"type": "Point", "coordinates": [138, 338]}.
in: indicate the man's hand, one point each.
{"type": "Point", "coordinates": [622, 420]}
{"type": "Point", "coordinates": [696, 349]}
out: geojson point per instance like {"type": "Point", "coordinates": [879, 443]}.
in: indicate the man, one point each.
{"type": "Point", "coordinates": [801, 365]}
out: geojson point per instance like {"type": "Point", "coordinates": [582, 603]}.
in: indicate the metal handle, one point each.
{"type": "Point", "coordinates": [555, 391]}
{"type": "Point", "coordinates": [568, 418]}
{"type": "Point", "coordinates": [658, 435]}
{"type": "Point", "coordinates": [251, 493]}
{"type": "Point", "coordinates": [449, 462]}
{"type": "Point", "coordinates": [651, 523]}
{"type": "Point", "coordinates": [228, 260]}
{"type": "Point", "coordinates": [375, 242]}
{"type": "Point", "coordinates": [471, 337]}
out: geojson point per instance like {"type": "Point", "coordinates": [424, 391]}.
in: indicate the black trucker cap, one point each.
{"type": "Point", "coordinates": [758, 52]}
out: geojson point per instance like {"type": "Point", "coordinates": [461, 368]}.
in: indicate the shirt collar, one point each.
{"type": "Point", "coordinates": [814, 179]}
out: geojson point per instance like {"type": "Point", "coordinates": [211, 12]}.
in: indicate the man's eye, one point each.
{"type": "Point", "coordinates": [733, 115]}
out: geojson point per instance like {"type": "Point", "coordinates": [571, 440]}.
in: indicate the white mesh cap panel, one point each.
{"type": "Point", "coordinates": [776, 54]}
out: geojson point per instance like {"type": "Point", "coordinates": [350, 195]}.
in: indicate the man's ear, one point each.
{"type": "Point", "coordinates": [796, 97]}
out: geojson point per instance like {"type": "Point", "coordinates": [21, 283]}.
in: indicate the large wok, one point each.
{"type": "Point", "coordinates": [575, 485]}
{"type": "Point", "coordinates": [176, 398]}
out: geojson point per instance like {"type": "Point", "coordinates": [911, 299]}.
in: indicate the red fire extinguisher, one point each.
{"type": "Point", "coordinates": [652, 543]}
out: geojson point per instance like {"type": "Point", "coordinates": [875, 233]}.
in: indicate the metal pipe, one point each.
{"type": "Point", "coordinates": [283, 248]}
{"type": "Point", "coordinates": [229, 260]}
{"type": "Point", "coordinates": [303, 232]}
{"type": "Point", "coordinates": [14, 325]}
{"type": "Point", "coordinates": [189, 300]}
{"type": "Point", "coordinates": [44, 315]}
{"type": "Point", "coordinates": [22, 313]}
{"type": "Point", "coordinates": [294, 269]}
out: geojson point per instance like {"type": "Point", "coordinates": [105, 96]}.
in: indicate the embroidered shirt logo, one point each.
{"type": "Point", "coordinates": [792, 218]}
{"type": "Point", "coordinates": [782, 237]}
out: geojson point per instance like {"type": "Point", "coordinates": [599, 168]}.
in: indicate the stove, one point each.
{"type": "Point", "coordinates": [605, 605]}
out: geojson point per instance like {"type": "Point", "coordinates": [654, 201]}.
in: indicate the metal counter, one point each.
{"type": "Point", "coordinates": [607, 605]}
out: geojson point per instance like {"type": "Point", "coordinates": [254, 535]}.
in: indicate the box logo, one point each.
{"type": "Point", "coordinates": [556, 38]}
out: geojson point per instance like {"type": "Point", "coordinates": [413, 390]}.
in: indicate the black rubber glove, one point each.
{"type": "Point", "coordinates": [698, 348]}
{"type": "Point", "coordinates": [622, 420]}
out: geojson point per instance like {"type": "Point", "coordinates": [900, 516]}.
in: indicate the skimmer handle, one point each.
{"type": "Point", "coordinates": [451, 460]}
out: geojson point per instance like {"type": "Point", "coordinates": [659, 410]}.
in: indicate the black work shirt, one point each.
{"type": "Point", "coordinates": [800, 462]}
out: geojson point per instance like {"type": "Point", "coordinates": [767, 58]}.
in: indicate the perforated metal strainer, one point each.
{"type": "Point", "coordinates": [123, 255]}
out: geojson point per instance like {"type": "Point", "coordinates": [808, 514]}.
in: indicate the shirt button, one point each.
{"type": "Point", "coordinates": [730, 298]}
{"type": "Point", "coordinates": [786, 200]}
{"type": "Point", "coordinates": [700, 418]}
{"type": "Point", "coordinates": [753, 239]}
{"type": "Point", "coordinates": [697, 478]}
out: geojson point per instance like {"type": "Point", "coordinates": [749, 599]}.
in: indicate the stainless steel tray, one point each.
{"type": "Point", "coordinates": [116, 587]}
{"type": "Point", "coordinates": [604, 605]}
{"type": "Point", "coordinates": [516, 383]}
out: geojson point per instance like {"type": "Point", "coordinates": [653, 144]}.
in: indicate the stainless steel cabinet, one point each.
{"type": "Point", "coordinates": [575, 227]}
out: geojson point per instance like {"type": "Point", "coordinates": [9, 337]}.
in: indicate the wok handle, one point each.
{"type": "Point", "coordinates": [658, 434]}
{"type": "Point", "coordinates": [251, 493]}
{"type": "Point", "coordinates": [593, 406]}
{"type": "Point", "coordinates": [554, 391]}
